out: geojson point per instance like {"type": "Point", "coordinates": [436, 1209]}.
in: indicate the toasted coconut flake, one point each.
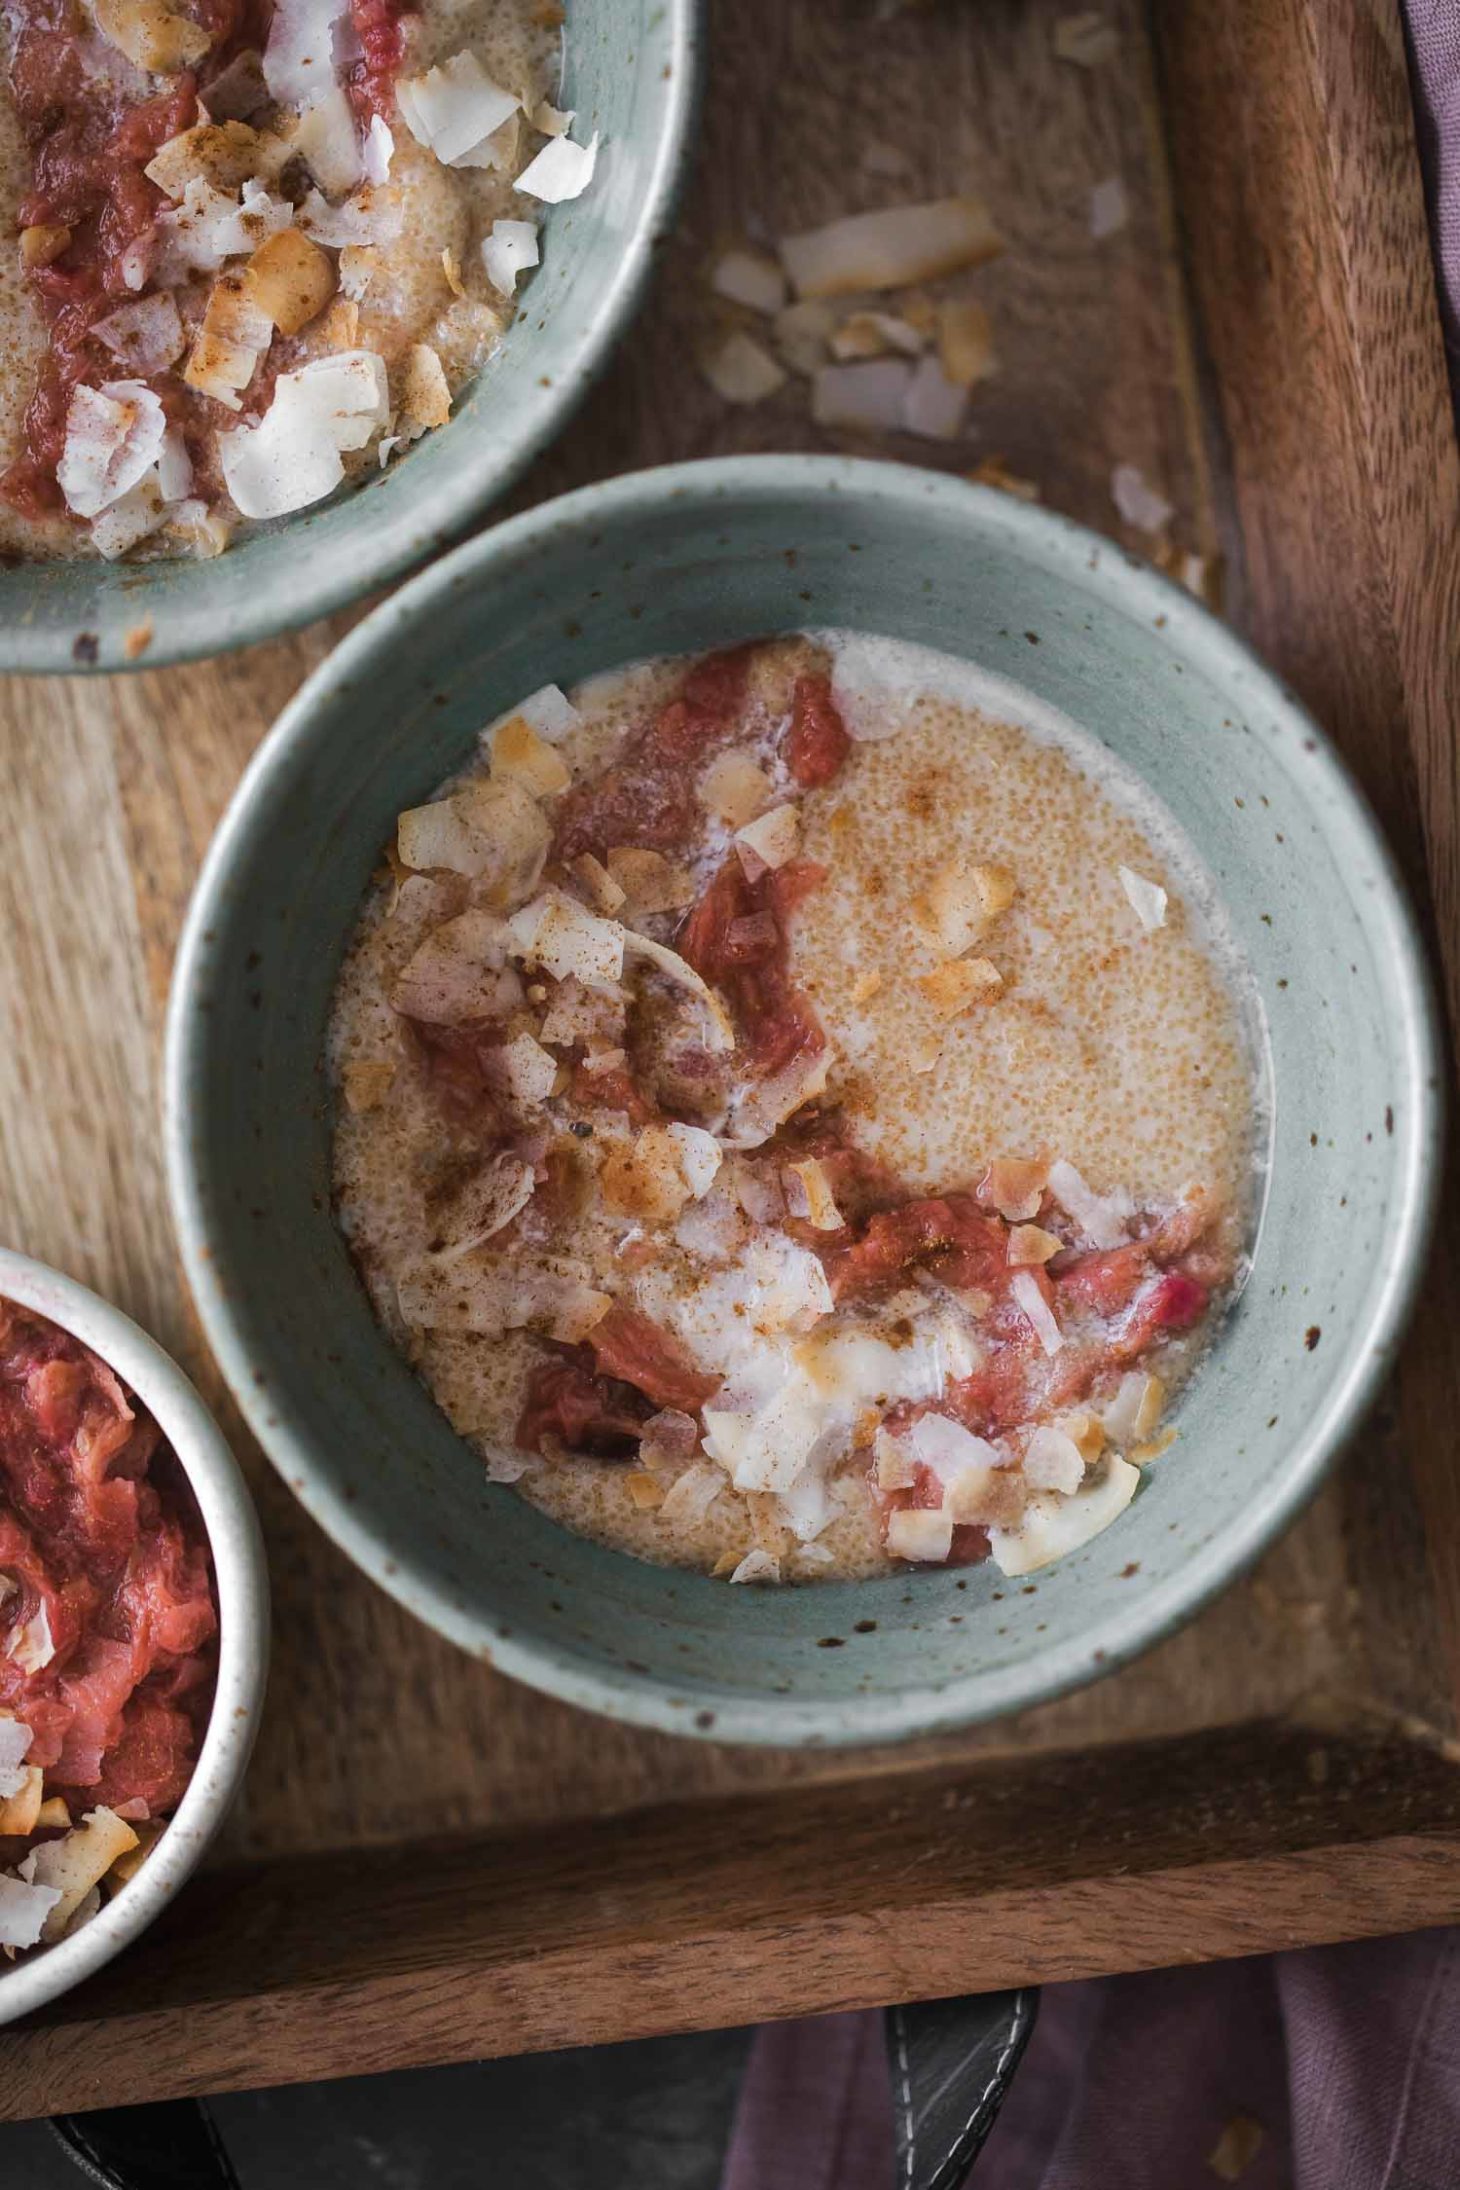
{"type": "Point", "coordinates": [459, 973]}
{"type": "Point", "coordinates": [552, 121]}
{"type": "Point", "coordinates": [992, 471]}
{"type": "Point", "coordinates": [1087, 39]}
{"type": "Point", "coordinates": [644, 1178]}
{"type": "Point", "coordinates": [1102, 1218]}
{"type": "Point", "coordinates": [425, 398]}
{"type": "Point", "coordinates": [802, 332]}
{"type": "Point", "coordinates": [495, 830]}
{"type": "Point", "coordinates": [146, 336]}
{"type": "Point", "coordinates": [366, 1081]}
{"type": "Point", "coordinates": [1053, 1525]}
{"type": "Point", "coordinates": [1014, 1185]}
{"type": "Point", "coordinates": [24, 1910]}
{"type": "Point", "coordinates": [519, 753]}
{"type": "Point", "coordinates": [292, 457]}
{"type": "Point", "coordinates": [1139, 504]}
{"type": "Point", "coordinates": [865, 987]}
{"type": "Point", "coordinates": [291, 280]}
{"type": "Point", "coordinates": [757, 1566]}
{"type": "Point", "coordinates": [225, 155]}
{"type": "Point", "coordinates": [965, 342]}
{"type": "Point", "coordinates": [698, 1156]}
{"type": "Point", "coordinates": [809, 1195]}
{"type": "Point", "coordinates": [734, 788]}
{"type": "Point", "coordinates": [530, 1071]}
{"type": "Point", "coordinates": [20, 1812]}
{"type": "Point", "coordinates": [873, 334]}
{"type": "Point", "coordinates": [560, 936]}
{"type": "Point", "coordinates": [1109, 208]}
{"type": "Point", "coordinates": [921, 1534]}
{"type": "Point", "coordinates": [299, 58]}
{"type": "Point", "coordinates": [892, 248]}
{"type": "Point", "coordinates": [53, 1816]}
{"type": "Point", "coordinates": [961, 902]}
{"type": "Point", "coordinates": [41, 243]}
{"type": "Point", "coordinates": [719, 1033]}
{"type": "Point", "coordinates": [326, 139]}
{"type": "Point", "coordinates": [648, 882]}
{"type": "Point", "coordinates": [870, 396]}
{"type": "Point", "coordinates": [233, 337]}
{"type": "Point", "coordinates": [771, 839]}
{"type": "Point", "coordinates": [1030, 1244]}
{"type": "Point", "coordinates": [1086, 1432]}
{"type": "Point", "coordinates": [1025, 1289]}
{"type": "Point", "coordinates": [114, 435]}
{"type": "Point", "coordinates": [1148, 899]}
{"type": "Point", "coordinates": [1152, 1449]}
{"type": "Point", "coordinates": [606, 894]}
{"type": "Point", "coordinates": [1052, 1461]}
{"type": "Point", "coordinates": [561, 170]}
{"type": "Point", "coordinates": [894, 1462]}
{"type": "Point", "coordinates": [644, 1489]}
{"type": "Point", "coordinates": [1133, 1413]}
{"type": "Point", "coordinates": [209, 227]}
{"type": "Point", "coordinates": [340, 328]}
{"type": "Point", "coordinates": [149, 1831]}
{"type": "Point", "coordinates": [751, 279]}
{"type": "Point", "coordinates": [959, 983]}
{"type": "Point", "coordinates": [73, 1865]}
{"type": "Point", "coordinates": [510, 249]}
{"type": "Point", "coordinates": [151, 35]}
{"type": "Point", "coordinates": [30, 1646]}
{"type": "Point", "coordinates": [741, 370]}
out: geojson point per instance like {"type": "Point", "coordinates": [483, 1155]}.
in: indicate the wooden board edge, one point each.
{"type": "Point", "coordinates": [701, 1917]}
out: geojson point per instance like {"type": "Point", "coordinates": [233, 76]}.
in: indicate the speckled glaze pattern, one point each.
{"type": "Point", "coordinates": [243, 1628]}
{"type": "Point", "coordinates": [677, 561]}
{"type": "Point", "coordinates": [631, 72]}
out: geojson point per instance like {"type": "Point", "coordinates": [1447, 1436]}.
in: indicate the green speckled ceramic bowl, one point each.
{"type": "Point", "coordinates": [677, 561]}
{"type": "Point", "coordinates": [631, 72]}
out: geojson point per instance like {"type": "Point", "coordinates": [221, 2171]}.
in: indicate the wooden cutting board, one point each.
{"type": "Point", "coordinates": [430, 1863]}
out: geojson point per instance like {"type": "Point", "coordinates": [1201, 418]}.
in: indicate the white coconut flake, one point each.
{"type": "Point", "coordinates": [510, 249]}
{"type": "Point", "coordinates": [1139, 503]}
{"type": "Point", "coordinates": [561, 170]}
{"type": "Point", "coordinates": [209, 227]}
{"type": "Point", "coordinates": [1052, 1461]}
{"type": "Point", "coordinates": [698, 1155]}
{"type": "Point", "coordinates": [15, 1741]}
{"type": "Point", "coordinates": [378, 151]}
{"type": "Point", "coordinates": [30, 1646]}
{"type": "Point", "coordinates": [742, 370]}
{"type": "Point", "coordinates": [293, 456]}
{"type": "Point", "coordinates": [562, 938]}
{"type": "Point", "coordinates": [757, 1566]}
{"type": "Point", "coordinates": [1101, 1217]}
{"type": "Point", "coordinates": [326, 139]}
{"type": "Point", "coordinates": [114, 434]}
{"type": "Point", "coordinates": [891, 248]}
{"type": "Point", "coordinates": [23, 1910]}
{"type": "Point", "coordinates": [934, 406]}
{"type": "Point", "coordinates": [454, 109]}
{"type": "Point", "coordinates": [146, 336]}
{"type": "Point", "coordinates": [1052, 1525]}
{"type": "Point", "coordinates": [1025, 1289]}
{"type": "Point", "coordinates": [871, 396]}
{"type": "Point", "coordinates": [745, 277]}
{"type": "Point", "coordinates": [720, 1035]}
{"type": "Point", "coordinates": [1148, 899]}
{"type": "Point", "coordinates": [922, 1534]}
{"type": "Point", "coordinates": [530, 1070]}
{"type": "Point", "coordinates": [1109, 208]}
{"type": "Point", "coordinates": [691, 1495]}
{"type": "Point", "coordinates": [299, 59]}
{"type": "Point", "coordinates": [370, 217]}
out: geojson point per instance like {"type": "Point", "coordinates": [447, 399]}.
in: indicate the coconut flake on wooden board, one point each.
{"type": "Point", "coordinates": [891, 248]}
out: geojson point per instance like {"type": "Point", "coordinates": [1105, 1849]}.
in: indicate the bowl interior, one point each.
{"type": "Point", "coordinates": [678, 562]}
{"type": "Point", "coordinates": [240, 1577]}
{"type": "Point", "coordinates": [629, 73]}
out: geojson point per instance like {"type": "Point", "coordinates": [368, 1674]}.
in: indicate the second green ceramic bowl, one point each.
{"type": "Point", "coordinates": [677, 561]}
{"type": "Point", "coordinates": [631, 72]}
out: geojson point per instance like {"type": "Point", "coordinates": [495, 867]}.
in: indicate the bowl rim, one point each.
{"type": "Point", "coordinates": [1091, 564]}
{"type": "Point", "coordinates": [241, 1575]}
{"type": "Point", "coordinates": [424, 524]}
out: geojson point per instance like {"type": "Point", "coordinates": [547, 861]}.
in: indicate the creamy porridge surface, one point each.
{"type": "Point", "coordinates": [795, 1113]}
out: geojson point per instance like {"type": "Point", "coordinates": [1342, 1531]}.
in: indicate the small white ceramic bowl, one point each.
{"type": "Point", "coordinates": [243, 1628]}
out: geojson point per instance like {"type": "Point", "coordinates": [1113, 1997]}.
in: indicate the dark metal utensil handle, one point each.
{"type": "Point", "coordinates": [168, 2145]}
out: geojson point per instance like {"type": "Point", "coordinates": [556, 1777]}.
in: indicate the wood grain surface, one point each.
{"type": "Point", "coordinates": [411, 1874]}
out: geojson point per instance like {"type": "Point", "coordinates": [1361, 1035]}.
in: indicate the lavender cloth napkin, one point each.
{"type": "Point", "coordinates": [1334, 2069]}
{"type": "Point", "coordinates": [1433, 28]}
